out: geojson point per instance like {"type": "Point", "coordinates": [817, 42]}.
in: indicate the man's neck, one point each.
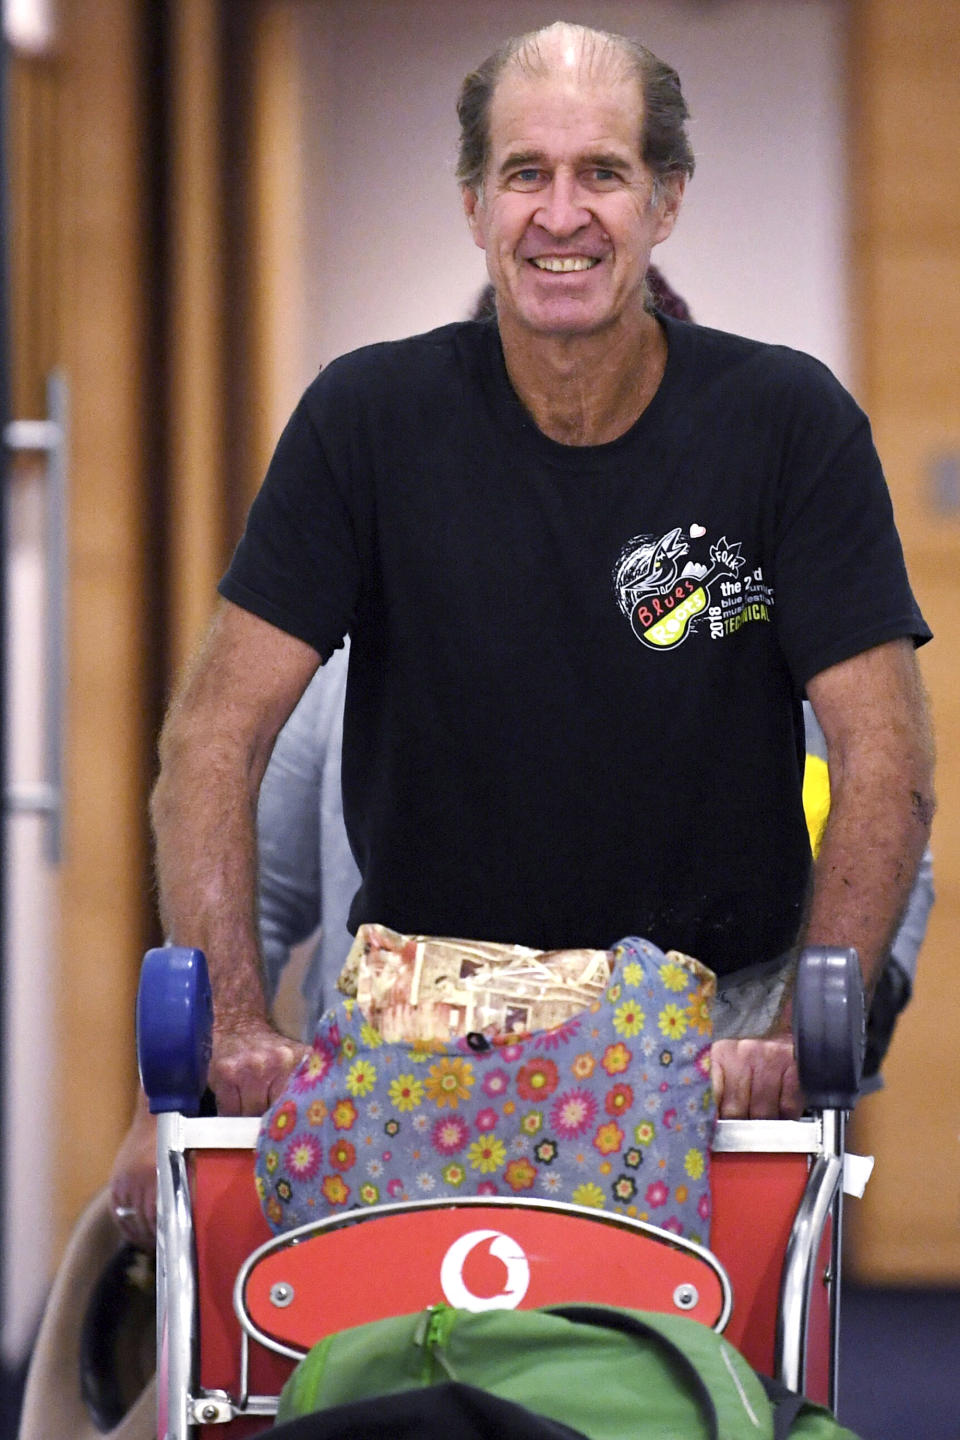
{"type": "Point", "coordinates": [586, 389]}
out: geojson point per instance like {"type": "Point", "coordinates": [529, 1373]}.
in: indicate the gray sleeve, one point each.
{"type": "Point", "coordinates": [913, 927]}
{"type": "Point", "coordinates": [815, 741]}
{"type": "Point", "coordinates": [288, 832]}
{"type": "Point", "coordinates": [307, 872]}
{"type": "Point", "coordinates": [341, 880]}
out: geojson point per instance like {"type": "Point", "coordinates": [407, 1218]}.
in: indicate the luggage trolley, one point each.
{"type": "Point", "coordinates": [237, 1306]}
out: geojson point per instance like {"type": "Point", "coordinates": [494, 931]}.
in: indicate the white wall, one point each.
{"type": "Point", "coordinates": [760, 245]}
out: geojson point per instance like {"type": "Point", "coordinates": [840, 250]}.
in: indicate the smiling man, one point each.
{"type": "Point", "coordinates": [590, 559]}
{"type": "Point", "coordinates": [560, 195]}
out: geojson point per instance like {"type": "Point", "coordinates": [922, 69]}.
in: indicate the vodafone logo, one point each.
{"type": "Point", "coordinates": [503, 1248]}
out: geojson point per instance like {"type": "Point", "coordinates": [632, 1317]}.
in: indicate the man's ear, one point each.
{"type": "Point", "coordinates": [473, 209]}
{"type": "Point", "coordinates": [671, 189]}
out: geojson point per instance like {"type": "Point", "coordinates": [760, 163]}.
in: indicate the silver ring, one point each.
{"type": "Point", "coordinates": [125, 1212]}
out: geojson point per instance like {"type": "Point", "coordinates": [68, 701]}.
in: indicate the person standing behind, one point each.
{"type": "Point", "coordinates": [307, 878]}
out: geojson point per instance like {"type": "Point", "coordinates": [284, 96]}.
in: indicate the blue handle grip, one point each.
{"type": "Point", "coordinates": [174, 1028]}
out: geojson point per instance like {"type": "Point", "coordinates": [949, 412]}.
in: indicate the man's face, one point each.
{"type": "Point", "coordinates": [565, 217]}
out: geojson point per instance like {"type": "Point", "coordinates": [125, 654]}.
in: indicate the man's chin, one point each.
{"type": "Point", "coordinates": [560, 318]}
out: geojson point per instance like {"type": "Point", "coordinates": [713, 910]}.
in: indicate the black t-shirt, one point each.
{"type": "Point", "coordinates": [573, 706]}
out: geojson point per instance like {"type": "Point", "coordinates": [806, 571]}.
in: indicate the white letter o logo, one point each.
{"type": "Point", "coordinates": [505, 1249]}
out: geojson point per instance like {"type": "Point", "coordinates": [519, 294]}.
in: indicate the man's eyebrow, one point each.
{"type": "Point", "coordinates": [608, 160]}
{"type": "Point", "coordinates": [602, 160]}
{"type": "Point", "coordinates": [517, 159]}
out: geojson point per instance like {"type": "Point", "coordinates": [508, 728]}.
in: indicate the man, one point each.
{"type": "Point", "coordinates": [589, 559]}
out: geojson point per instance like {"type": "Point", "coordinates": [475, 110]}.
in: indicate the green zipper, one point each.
{"type": "Point", "coordinates": [433, 1332]}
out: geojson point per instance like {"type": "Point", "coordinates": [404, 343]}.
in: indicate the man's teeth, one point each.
{"type": "Point", "coordinates": [563, 264]}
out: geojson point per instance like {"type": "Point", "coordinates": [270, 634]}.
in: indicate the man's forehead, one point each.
{"type": "Point", "coordinates": [527, 110]}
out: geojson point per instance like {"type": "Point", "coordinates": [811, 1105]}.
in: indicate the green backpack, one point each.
{"type": "Point", "coordinates": [608, 1373]}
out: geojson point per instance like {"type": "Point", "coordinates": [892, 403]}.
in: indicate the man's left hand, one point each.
{"type": "Point", "coordinates": [756, 1079]}
{"type": "Point", "coordinates": [250, 1066]}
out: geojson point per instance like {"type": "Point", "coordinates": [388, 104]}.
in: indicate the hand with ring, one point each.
{"type": "Point", "coordinates": [133, 1182]}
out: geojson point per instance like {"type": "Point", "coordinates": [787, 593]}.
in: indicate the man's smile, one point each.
{"type": "Point", "coordinates": [564, 264]}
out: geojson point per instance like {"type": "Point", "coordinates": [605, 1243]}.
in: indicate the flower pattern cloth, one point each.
{"type": "Point", "coordinates": [612, 1109]}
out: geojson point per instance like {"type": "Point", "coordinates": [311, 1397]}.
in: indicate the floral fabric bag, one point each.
{"type": "Point", "coordinates": [612, 1109]}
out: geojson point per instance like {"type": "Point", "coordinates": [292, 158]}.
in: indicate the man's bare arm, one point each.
{"type": "Point", "coordinates": [214, 749]}
{"type": "Point", "coordinates": [874, 715]}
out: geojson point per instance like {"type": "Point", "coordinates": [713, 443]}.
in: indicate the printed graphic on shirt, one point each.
{"type": "Point", "coordinates": [666, 601]}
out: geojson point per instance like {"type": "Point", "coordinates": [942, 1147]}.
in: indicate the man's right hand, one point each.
{"type": "Point", "coordinates": [756, 1078]}
{"type": "Point", "coordinates": [250, 1066]}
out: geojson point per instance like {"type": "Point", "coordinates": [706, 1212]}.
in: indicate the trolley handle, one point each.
{"type": "Point", "coordinates": [829, 1026]}
{"type": "Point", "coordinates": [174, 1028]}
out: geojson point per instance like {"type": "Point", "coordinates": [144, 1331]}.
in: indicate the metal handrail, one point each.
{"type": "Point", "coordinates": [49, 437]}
{"type": "Point", "coordinates": [822, 1198]}
{"type": "Point", "coordinates": [177, 1295]}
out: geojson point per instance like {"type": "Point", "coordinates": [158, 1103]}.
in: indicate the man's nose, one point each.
{"type": "Point", "coordinates": [561, 211]}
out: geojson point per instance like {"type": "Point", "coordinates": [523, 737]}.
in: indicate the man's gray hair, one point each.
{"type": "Point", "coordinates": [663, 143]}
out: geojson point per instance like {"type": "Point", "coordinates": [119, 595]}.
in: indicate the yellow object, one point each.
{"type": "Point", "coordinates": [816, 799]}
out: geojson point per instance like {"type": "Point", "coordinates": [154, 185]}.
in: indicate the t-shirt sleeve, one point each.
{"type": "Point", "coordinates": [298, 564]}
{"type": "Point", "coordinates": [840, 580]}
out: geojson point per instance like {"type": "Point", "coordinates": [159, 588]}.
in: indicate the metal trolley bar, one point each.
{"type": "Point", "coordinates": [177, 1297]}
{"type": "Point", "coordinates": [821, 1137]}
{"type": "Point", "coordinates": [822, 1199]}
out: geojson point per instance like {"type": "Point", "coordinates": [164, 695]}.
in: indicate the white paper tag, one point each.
{"type": "Point", "coordinates": [857, 1170]}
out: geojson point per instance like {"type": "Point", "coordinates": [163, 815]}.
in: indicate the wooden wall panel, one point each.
{"type": "Point", "coordinates": [106, 895]}
{"type": "Point", "coordinates": [275, 226]}
{"type": "Point", "coordinates": [235, 283]}
{"type": "Point", "coordinates": [31, 204]}
{"type": "Point", "coordinates": [910, 178]}
{"type": "Point", "coordinates": [196, 522]}
{"type": "Point", "coordinates": [905, 136]}
{"type": "Point", "coordinates": [914, 307]}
